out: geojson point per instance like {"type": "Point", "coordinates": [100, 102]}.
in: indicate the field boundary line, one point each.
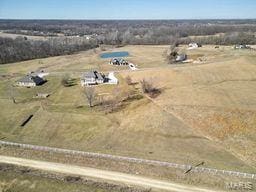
{"type": "Point", "coordinates": [131, 160]}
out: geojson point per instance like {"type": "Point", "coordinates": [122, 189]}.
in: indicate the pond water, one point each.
{"type": "Point", "coordinates": [114, 54]}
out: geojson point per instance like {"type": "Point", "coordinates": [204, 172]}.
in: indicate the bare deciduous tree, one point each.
{"type": "Point", "coordinates": [90, 95]}
{"type": "Point", "coordinates": [128, 80]}
{"type": "Point", "coordinates": [148, 87]}
{"type": "Point", "coordinates": [65, 80]}
{"type": "Point", "coordinates": [12, 93]}
{"type": "Point", "coordinates": [172, 54]}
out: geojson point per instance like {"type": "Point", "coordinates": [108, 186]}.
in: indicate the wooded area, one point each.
{"type": "Point", "coordinates": [72, 36]}
{"type": "Point", "coordinates": [20, 49]}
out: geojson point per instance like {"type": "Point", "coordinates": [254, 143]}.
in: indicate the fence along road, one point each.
{"type": "Point", "coordinates": [106, 176]}
{"type": "Point", "coordinates": [131, 160]}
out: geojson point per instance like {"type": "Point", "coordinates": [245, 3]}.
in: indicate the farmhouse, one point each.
{"type": "Point", "coordinates": [118, 61]}
{"type": "Point", "coordinates": [194, 45]}
{"type": "Point", "coordinates": [242, 46]}
{"type": "Point", "coordinates": [30, 81]}
{"type": "Point", "coordinates": [181, 57]}
{"type": "Point", "coordinates": [92, 78]}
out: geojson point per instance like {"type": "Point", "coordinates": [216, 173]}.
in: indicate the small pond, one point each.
{"type": "Point", "coordinates": [114, 54]}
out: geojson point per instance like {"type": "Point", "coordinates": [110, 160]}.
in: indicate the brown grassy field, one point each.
{"type": "Point", "coordinates": [16, 180]}
{"type": "Point", "coordinates": [206, 111]}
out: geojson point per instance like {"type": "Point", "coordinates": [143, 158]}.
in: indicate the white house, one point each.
{"type": "Point", "coordinates": [112, 79]}
{"type": "Point", "coordinates": [242, 46]}
{"type": "Point", "coordinates": [194, 45]}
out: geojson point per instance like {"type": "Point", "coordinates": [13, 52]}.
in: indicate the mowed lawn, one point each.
{"type": "Point", "coordinates": [166, 129]}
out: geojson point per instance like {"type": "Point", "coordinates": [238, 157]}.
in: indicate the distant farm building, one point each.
{"type": "Point", "coordinates": [30, 81]}
{"type": "Point", "coordinates": [132, 66]}
{"type": "Point", "coordinates": [242, 46]}
{"type": "Point", "coordinates": [42, 95]}
{"type": "Point", "coordinates": [118, 61]}
{"type": "Point", "coordinates": [92, 78]}
{"type": "Point", "coordinates": [194, 45]}
{"type": "Point", "coordinates": [181, 57]}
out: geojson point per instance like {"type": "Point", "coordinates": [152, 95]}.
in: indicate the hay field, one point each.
{"type": "Point", "coordinates": [216, 99]}
{"type": "Point", "coordinates": [187, 123]}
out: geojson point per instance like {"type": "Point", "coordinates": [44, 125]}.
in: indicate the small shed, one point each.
{"type": "Point", "coordinates": [42, 95]}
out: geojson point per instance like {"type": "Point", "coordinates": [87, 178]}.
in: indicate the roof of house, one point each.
{"type": "Point", "coordinates": [90, 74]}
{"type": "Point", "coordinates": [193, 44]}
{"type": "Point", "coordinates": [94, 75]}
{"type": "Point", "coordinates": [31, 79]}
{"type": "Point", "coordinates": [100, 76]}
{"type": "Point", "coordinates": [118, 59]}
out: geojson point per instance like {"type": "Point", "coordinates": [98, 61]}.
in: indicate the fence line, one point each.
{"type": "Point", "coordinates": [131, 159]}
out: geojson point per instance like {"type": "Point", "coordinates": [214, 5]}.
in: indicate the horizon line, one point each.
{"type": "Point", "coordinates": [141, 19]}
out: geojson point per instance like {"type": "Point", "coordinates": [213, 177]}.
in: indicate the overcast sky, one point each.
{"type": "Point", "coordinates": [127, 9]}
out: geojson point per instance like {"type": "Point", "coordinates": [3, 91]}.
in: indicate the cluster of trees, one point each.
{"type": "Point", "coordinates": [247, 38]}
{"type": "Point", "coordinates": [149, 88]}
{"type": "Point", "coordinates": [167, 35]}
{"type": "Point", "coordinates": [20, 49]}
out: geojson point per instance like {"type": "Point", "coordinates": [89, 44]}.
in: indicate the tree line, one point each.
{"type": "Point", "coordinates": [21, 49]}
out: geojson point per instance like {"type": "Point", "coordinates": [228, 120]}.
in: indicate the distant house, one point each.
{"type": "Point", "coordinates": [132, 66]}
{"type": "Point", "coordinates": [181, 57]}
{"type": "Point", "coordinates": [92, 78]}
{"type": "Point", "coordinates": [194, 45]}
{"type": "Point", "coordinates": [118, 61]}
{"type": "Point", "coordinates": [30, 81]}
{"type": "Point", "coordinates": [242, 46]}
